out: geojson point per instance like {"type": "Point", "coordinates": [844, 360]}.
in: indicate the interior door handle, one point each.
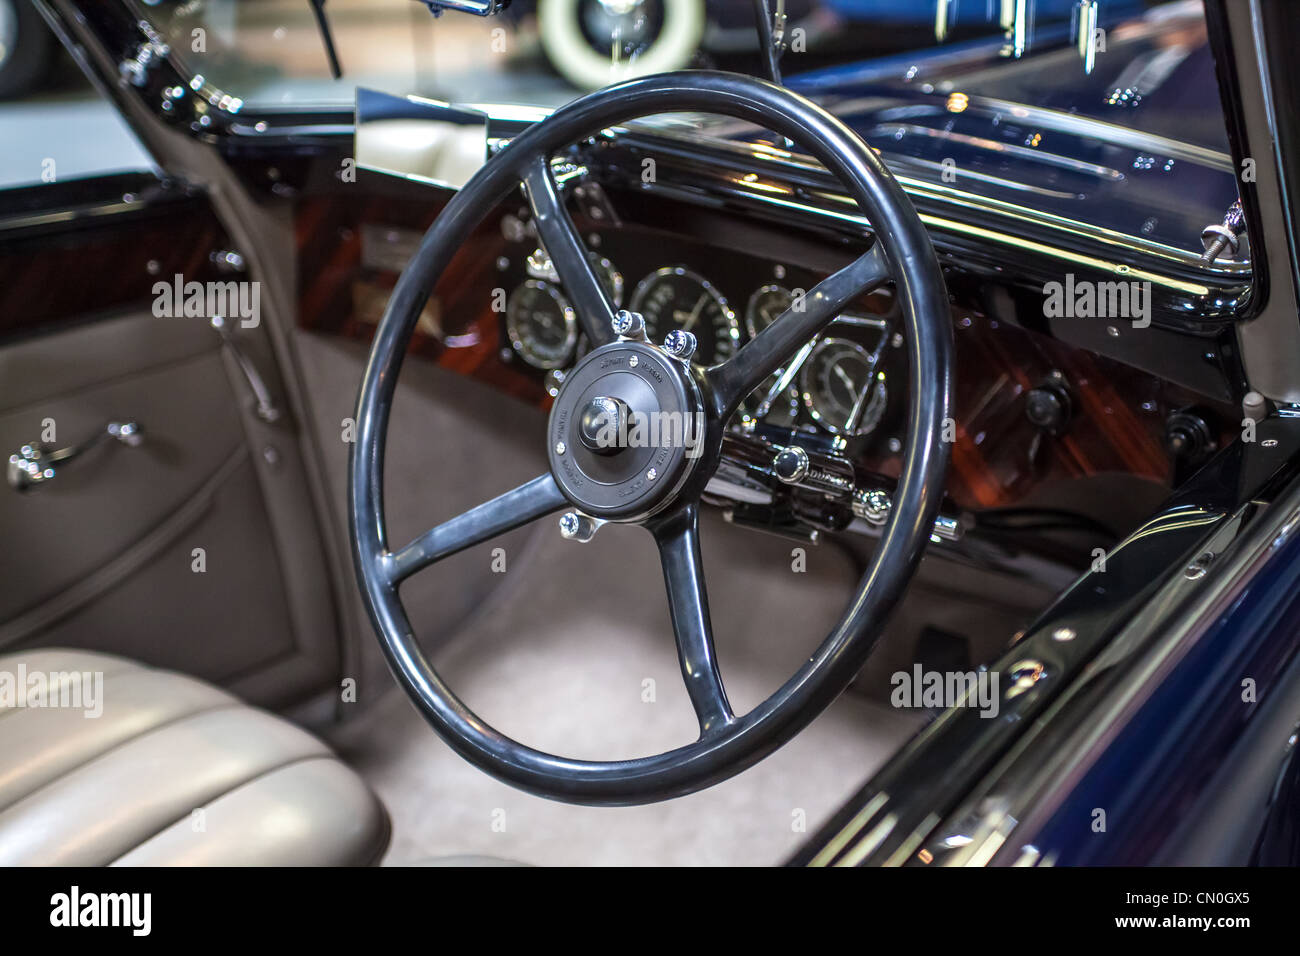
{"type": "Point", "coordinates": [37, 463]}
{"type": "Point", "coordinates": [266, 409]}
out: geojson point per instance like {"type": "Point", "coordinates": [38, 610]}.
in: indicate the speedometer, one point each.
{"type": "Point", "coordinates": [676, 298]}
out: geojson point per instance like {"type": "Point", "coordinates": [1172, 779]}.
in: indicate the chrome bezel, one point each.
{"type": "Point", "coordinates": [567, 314]}
{"type": "Point", "coordinates": [875, 404]}
{"type": "Point", "coordinates": [641, 291]}
{"type": "Point", "coordinates": [750, 325]}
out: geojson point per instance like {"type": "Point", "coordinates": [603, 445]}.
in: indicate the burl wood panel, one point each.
{"type": "Point", "coordinates": [97, 266]}
{"type": "Point", "coordinates": [999, 459]}
{"type": "Point", "coordinates": [1117, 425]}
{"type": "Point", "coordinates": [350, 252]}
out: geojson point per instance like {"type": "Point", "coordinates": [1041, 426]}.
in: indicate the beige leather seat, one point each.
{"type": "Point", "coordinates": [172, 772]}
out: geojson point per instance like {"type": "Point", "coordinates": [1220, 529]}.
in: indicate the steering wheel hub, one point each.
{"type": "Point", "coordinates": [625, 430]}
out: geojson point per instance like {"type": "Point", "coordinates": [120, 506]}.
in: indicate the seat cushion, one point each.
{"type": "Point", "coordinates": [104, 761]}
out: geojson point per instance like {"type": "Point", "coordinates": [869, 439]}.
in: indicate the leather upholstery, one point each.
{"type": "Point", "coordinates": [173, 772]}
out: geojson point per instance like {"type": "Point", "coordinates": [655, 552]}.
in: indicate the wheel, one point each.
{"type": "Point", "coordinates": [651, 36]}
{"type": "Point", "coordinates": [602, 476]}
{"type": "Point", "coordinates": [26, 47]}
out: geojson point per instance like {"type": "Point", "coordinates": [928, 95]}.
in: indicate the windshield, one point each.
{"type": "Point", "coordinates": [1102, 111]}
{"type": "Point", "coordinates": [545, 52]}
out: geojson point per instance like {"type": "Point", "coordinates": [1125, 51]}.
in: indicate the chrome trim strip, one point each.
{"type": "Point", "coordinates": [1048, 159]}
{"type": "Point", "coordinates": [1087, 231]}
{"type": "Point", "coordinates": [1086, 126]}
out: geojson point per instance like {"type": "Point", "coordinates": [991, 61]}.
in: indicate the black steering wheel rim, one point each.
{"type": "Point", "coordinates": [728, 746]}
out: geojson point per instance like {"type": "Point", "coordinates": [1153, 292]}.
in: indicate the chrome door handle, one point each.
{"type": "Point", "coordinates": [36, 462]}
{"type": "Point", "coordinates": [266, 409]}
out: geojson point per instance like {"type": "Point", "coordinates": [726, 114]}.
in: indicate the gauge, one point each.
{"type": "Point", "coordinates": [541, 324]}
{"type": "Point", "coordinates": [676, 298]}
{"type": "Point", "coordinates": [765, 307]}
{"type": "Point", "coordinates": [540, 267]}
{"type": "Point", "coordinates": [842, 388]}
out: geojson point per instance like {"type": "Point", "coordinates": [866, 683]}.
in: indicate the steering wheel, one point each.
{"type": "Point", "coordinates": [658, 487]}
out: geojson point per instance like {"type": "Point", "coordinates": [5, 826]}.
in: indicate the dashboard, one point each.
{"type": "Point", "coordinates": [1037, 418]}
{"type": "Point", "coordinates": [838, 387]}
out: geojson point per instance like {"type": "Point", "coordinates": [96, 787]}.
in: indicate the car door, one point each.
{"type": "Point", "coordinates": [160, 498]}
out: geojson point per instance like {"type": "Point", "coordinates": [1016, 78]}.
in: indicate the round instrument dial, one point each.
{"type": "Point", "coordinates": [541, 324]}
{"type": "Point", "coordinates": [765, 307]}
{"type": "Point", "coordinates": [676, 298]}
{"type": "Point", "coordinates": [842, 390]}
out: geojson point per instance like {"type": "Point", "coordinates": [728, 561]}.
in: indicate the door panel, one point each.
{"type": "Point", "coordinates": [197, 550]}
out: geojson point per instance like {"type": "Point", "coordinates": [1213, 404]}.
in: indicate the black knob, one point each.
{"type": "Point", "coordinates": [1187, 435]}
{"type": "Point", "coordinates": [1048, 406]}
{"type": "Point", "coordinates": [790, 464]}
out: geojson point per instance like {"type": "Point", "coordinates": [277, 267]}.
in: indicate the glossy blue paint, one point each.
{"type": "Point", "coordinates": [1150, 776]}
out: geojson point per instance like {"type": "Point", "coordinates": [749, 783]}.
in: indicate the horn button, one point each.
{"type": "Point", "coordinates": [624, 430]}
{"type": "Point", "coordinates": [604, 426]}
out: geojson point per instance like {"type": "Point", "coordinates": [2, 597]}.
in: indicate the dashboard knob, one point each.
{"type": "Point", "coordinates": [790, 464]}
{"type": "Point", "coordinates": [1188, 436]}
{"type": "Point", "coordinates": [1049, 406]}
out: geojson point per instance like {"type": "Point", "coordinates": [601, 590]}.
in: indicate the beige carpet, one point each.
{"type": "Point", "coordinates": [559, 659]}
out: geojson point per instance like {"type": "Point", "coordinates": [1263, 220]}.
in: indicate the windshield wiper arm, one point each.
{"type": "Point", "coordinates": [771, 41]}
{"type": "Point", "coordinates": [318, 8]}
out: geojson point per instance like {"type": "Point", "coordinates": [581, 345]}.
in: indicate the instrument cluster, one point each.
{"type": "Point", "coordinates": [844, 383]}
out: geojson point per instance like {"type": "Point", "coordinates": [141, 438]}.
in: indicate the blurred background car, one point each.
{"type": "Point", "coordinates": [26, 47]}
{"type": "Point", "coordinates": [592, 42]}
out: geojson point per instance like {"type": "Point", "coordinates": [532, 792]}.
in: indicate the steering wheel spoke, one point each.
{"type": "Point", "coordinates": [568, 253]}
{"type": "Point", "coordinates": [516, 507]}
{"type": "Point", "coordinates": [772, 348]}
{"type": "Point", "coordinates": [678, 537]}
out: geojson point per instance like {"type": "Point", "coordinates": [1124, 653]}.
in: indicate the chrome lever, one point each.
{"type": "Point", "coordinates": [266, 409]}
{"type": "Point", "coordinates": [36, 463]}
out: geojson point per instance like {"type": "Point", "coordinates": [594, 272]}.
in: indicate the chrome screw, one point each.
{"type": "Point", "coordinates": [575, 526]}
{"type": "Point", "coordinates": [652, 474]}
{"type": "Point", "coordinates": [560, 448]}
{"type": "Point", "coordinates": [633, 362]}
{"type": "Point", "coordinates": [680, 344]}
{"type": "Point", "coordinates": [629, 325]}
